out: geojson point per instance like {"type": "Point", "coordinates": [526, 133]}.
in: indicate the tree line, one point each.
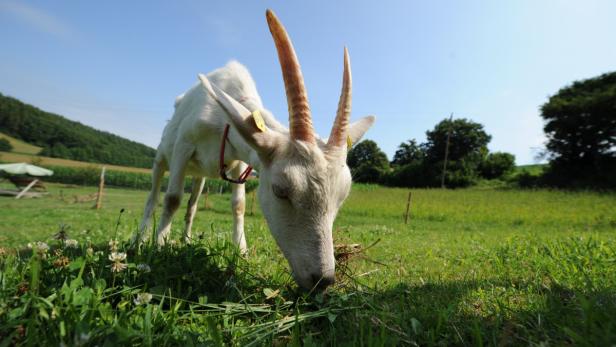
{"type": "Point", "coordinates": [579, 124]}
{"type": "Point", "coordinates": [421, 165]}
{"type": "Point", "coordinates": [63, 138]}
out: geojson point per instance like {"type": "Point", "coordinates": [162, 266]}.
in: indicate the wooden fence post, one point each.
{"type": "Point", "coordinates": [205, 195]}
{"type": "Point", "coordinates": [101, 185]}
{"type": "Point", "coordinates": [446, 151]}
{"type": "Point", "coordinates": [252, 203]}
{"type": "Point", "coordinates": [408, 209]}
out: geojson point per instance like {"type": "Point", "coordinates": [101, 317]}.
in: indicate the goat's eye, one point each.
{"type": "Point", "coordinates": [280, 192]}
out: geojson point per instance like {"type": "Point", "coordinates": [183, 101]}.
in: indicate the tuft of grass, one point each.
{"type": "Point", "coordinates": [199, 293]}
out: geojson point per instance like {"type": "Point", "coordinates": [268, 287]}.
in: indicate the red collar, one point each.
{"type": "Point", "coordinates": [223, 168]}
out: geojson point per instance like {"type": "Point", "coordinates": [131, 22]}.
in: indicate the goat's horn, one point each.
{"type": "Point", "coordinates": [339, 131]}
{"type": "Point", "coordinates": [300, 122]}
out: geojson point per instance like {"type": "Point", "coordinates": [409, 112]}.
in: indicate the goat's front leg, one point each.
{"type": "Point", "coordinates": [158, 171]}
{"type": "Point", "coordinates": [193, 203]}
{"type": "Point", "coordinates": [173, 196]}
{"type": "Point", "coordinates": [238, 206]}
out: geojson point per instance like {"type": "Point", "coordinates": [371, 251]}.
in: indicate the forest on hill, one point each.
{"type": "Point", "coordinates": [63, 138]}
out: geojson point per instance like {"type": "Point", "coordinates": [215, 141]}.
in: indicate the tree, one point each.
{"type": "Point", "coordinates": [468, 141]}
{"type": "Point", "coordinates": [580, 124]}
{"type": "Point", "coordinates": [5, 145]}
{"type": "Point", "coordinates": [497, 165]}
{"type": "Point", "coordinates": [407, 153]}
{"type": "Point", "coordinates": [367, 162]}
{"type": "Point", "coordinates": [468, 146]}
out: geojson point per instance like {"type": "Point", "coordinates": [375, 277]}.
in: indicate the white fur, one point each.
{"type": "Point", "coordinates": [315, 178]}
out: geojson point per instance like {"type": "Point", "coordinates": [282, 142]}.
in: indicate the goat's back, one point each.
{"type": "Point", "coordinates": [198, 119]}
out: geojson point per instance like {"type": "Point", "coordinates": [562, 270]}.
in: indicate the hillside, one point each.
{"type": "Point", "coordinates": [62, 138]}
{"type": "Point", "coordinates": [21, 146]}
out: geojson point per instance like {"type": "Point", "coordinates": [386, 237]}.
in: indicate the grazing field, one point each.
{"type": "Point", "coordinates": [472, 267]}
{"type": "Point", "coordinates": [12, 157]}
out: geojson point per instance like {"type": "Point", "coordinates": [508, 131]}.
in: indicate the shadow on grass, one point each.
{"type": "Point", "coordinates": [465, 313]}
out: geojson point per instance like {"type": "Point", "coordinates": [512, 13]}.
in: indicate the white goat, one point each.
{"type": "Point", "coordinates": [303, 180]}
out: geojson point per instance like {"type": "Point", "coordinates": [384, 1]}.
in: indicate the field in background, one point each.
{"type": "Point", "coordinates": [13, 157]}
{"type": "Point", "coordinates": [533, 169]}
{"type": "Point", "coordinates": [497, 267]}
{"type": "Point", "coordinates": [369, 213]}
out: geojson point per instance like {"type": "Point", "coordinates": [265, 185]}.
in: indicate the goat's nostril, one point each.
{"type": "Point", "coordinates": [320, 282]}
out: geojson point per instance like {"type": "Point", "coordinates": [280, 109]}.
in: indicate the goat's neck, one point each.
{"type": "Point", "coordinates": [241, 151]}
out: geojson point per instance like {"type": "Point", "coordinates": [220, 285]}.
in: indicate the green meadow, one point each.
{"type": "Point", "coordinates": [472, 267]}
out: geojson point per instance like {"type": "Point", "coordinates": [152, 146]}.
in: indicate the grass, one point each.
{"type": "Point", "coordinates": [533, 169]}
{"type": "Point", "coordinates": [20, 146]}
{"type": "Point", "coordinates": [473, 267]}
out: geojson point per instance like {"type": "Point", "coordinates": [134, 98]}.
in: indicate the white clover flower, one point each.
{"type": "Point", "coordinates": [144, 268]}
{"type": "Point", "coordinates": [90, 252]}
{"type": "Point", "coordinates": [143, 299]}
{"type": "Point", "coordinates": [117, 257]}
{"type": "Point", "coordinates": [118, 267]}
{"type": "Point", "coordinates": [38, 246]}
{"type": "Point", "coordinates": [71, 243]}
{"type": "Point", "coordinates": [118, 261]}
{"type": "Point", "coordinates": [113, 245]}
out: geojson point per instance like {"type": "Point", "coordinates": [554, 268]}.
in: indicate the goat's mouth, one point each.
{"type": "Point", "coordinates": [315, 283]}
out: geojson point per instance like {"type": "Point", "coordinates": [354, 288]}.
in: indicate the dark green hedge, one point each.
{"type": "Point", "coordinates": [90, 177]}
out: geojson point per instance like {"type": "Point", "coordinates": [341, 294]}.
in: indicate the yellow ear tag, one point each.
{"type": "Point", "coordinates": [259, 122]}
{"type": "Point", "coordinates": [349, 142]}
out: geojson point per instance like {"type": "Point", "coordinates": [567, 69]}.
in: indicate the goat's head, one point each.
{"type": "Point", "coordinates": [303, 179]}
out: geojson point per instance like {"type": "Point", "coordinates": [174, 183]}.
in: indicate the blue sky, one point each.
{"type": "Point", "coordinates": [118, 65]}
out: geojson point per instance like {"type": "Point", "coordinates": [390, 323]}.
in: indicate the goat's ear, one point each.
{"type": "Point", "coordinates": [262, 140]}
{"type": "Point", "coordinates": [359, 128]}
